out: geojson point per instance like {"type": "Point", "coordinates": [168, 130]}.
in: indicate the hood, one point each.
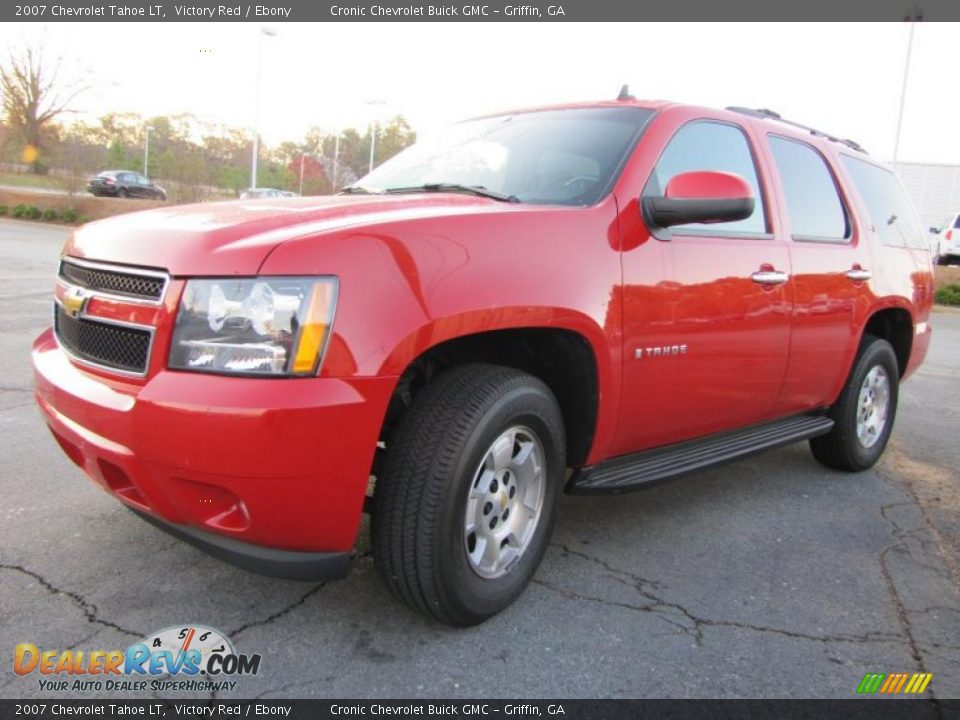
{"type": "Point", "coordinates": [234, 238]}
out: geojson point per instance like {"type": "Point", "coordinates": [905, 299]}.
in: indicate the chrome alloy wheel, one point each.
{"type": "Point", "coordinates": [504, 503]}
{"type": "Point", "coordinates": [873, 406]}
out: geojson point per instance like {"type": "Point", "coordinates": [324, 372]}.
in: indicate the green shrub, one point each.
{"type": "Point", "coordinates": [949, 294]}
{"type": "Point", "coordinates": [33, 213]}
{"type": "Point", "coordinates": [3, 209]}
{"type": "Point", "coordinates": [20, 210]}
{"type": "Point", "coordinates": [84, 219]}
{"type": "Point", "coordinates": [69, 216]}
{"type": "Point", "coordinates": [50, 214]}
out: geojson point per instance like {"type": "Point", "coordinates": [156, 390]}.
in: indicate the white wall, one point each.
{"type": "Point", "coordinates": [934, 189]}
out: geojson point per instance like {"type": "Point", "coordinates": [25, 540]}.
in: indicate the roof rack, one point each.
{"type": "Point", "coordinates": [771, 115]}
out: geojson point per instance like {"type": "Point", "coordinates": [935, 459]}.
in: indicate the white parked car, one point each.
{"type": "Point", "coordinates": [259, 193]}
{"type": "Point", "coordinates": [945, 245]}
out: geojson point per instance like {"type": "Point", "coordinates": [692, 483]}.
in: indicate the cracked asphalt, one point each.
{"type": "Point", "coordinates": [771, 577]}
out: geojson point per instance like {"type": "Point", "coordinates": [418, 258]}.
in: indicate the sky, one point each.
{"type": "Point", "coordinates": [845, 79]}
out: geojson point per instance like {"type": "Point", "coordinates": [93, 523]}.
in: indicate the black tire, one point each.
{"type": "Point", "coordinates": [420, 502]}
{"type": "Point", "coordinates": [841, 449]}
{"type": "Point", "coordinates": [123, 193]}
{"type": "Point", "coordinates": [941, 260]}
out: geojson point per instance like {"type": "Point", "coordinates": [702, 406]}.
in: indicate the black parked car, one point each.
{"type": "Point", "coordinates": [123, 183]}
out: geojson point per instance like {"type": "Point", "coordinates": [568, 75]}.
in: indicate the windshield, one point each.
{"type": "Point", "coordinates": [549, 157]}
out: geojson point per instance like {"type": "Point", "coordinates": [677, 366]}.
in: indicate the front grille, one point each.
{"type": "Point", "coordinates": [116, 282]}
{"type": "Point", "coordinates": [112, 346]}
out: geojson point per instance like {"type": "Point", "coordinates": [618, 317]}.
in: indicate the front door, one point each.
{"type": "Point", "coordinates": [706, 310]}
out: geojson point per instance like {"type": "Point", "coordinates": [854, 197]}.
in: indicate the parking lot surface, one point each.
{"type": "Point", "coordinates": [771, 577]}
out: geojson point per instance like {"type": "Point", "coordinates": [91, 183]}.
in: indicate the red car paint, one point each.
{"type": "Point", "coordinates": [284, 463]}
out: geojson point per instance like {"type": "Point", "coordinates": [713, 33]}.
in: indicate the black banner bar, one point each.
{"type": "Point", "coordinates": [466, 11]}
{"type": "Point", "coordinates": [854, 709]}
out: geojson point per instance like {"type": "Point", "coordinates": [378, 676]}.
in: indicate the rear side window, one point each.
{"type": "Point", "coordinates": [891, 213]}
{"type": "Point", "coordinates": [705, 145]}
{"type": "Point", "coordinates": [957, 223]}
{"type": "Point", "coordinates": [815, 208]}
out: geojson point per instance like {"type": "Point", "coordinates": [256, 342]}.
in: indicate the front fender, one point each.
{"type": "Point", "coordinates": [407, 286]}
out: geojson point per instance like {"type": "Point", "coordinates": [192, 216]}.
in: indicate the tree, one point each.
{"type": "Point", "coordinates": [393, 137]}
{"type": "Point", "coordinates": [32, 101]}
{"type": "Point", "coordinates": [314, 175]}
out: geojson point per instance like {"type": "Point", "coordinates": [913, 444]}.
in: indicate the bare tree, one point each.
{"type": "Point", "coordinates": [32, 100]}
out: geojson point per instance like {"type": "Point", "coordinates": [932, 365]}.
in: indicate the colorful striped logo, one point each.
{"type": "Point", "coordinates": [893, 683]}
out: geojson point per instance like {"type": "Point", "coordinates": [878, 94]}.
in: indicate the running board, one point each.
{"type": "Point", "coordinates": [630, 472]}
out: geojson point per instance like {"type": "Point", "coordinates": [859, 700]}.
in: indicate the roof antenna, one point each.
{"type": "Point", "coordinates": [625, 93]}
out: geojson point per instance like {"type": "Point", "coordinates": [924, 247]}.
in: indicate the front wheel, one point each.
{"type": "Point", "coordinates": [467, 499]}
{"type": "Point", "coordinates": [864, 413]}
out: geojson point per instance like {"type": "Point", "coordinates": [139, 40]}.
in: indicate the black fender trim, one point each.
{"type": "Point", "coordinates": [272, 562]}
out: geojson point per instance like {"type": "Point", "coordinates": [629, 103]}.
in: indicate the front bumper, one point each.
{"type": "Point", "coordinates": [270, 474]}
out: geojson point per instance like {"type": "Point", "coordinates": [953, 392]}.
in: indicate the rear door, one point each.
{"type": "Point", "coordinates": [831, 273]}
{"type": "Point", "coordinates": [128, 181]}
{"type": "Point", "coordinates": [707, 311]}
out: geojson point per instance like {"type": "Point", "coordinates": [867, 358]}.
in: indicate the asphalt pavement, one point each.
{"type": "Point", "coordinates": [771, 577]}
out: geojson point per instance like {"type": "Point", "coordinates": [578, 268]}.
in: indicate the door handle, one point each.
{"type": "Point", "coordinates": [858, 274]}
{"type": "Point", "coordinates": [770, 277]}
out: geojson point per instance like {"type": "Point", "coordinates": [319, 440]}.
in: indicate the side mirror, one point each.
{"type": "Point", "coordinates": [700, 197]}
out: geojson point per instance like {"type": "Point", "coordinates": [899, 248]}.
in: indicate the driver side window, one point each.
{"type": "Point", "coordinates": [716, 146]}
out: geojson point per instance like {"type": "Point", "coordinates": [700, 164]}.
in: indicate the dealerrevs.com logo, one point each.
{"type": "Point", "coordinates": [190, 658]}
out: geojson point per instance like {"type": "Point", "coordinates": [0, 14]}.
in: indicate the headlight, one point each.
{"type": "Point", "coordinates": [254, 326]}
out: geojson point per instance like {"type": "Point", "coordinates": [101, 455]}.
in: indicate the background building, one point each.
{"type": "Point", "coordinates": [934, 189]}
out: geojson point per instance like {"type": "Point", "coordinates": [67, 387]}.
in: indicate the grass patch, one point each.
{"type": "Point", "coordinates": [27, 180]}
{"type": "Point", "coordinates": [949, 295]}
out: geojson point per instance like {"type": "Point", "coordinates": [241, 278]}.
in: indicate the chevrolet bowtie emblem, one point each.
{"type": "Point", "coordinates": [74, 301]}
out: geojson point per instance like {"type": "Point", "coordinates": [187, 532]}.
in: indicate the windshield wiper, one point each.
{"type": "Point", "coordinates": [357, 190]}
{"type": "Point", "coordinates": [455, 188]}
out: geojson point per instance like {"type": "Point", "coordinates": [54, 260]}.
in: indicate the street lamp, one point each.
{"type": "Point", "coordinates": [913, 18]}
{"type": "Point", "coordinates": [146, 153]}
{"type": "Point", "coordinates": [373, 130]}
{"type": "Point", "coordinates": [336, 161]}
{"type": "Point", "coordinates": [264, 32]}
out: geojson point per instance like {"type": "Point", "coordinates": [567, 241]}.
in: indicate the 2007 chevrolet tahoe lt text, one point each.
{"type": "Point", "coordinates": [586, 298]}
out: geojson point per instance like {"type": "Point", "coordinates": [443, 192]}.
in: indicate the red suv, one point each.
{"type": "Point", "coordinates": [588, 298]}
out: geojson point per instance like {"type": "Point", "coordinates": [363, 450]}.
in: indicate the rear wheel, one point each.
{"type": "Point", "coordinates": [123, 193]}
{"type": "Point", "coordinates": [468, 495]}
{"type": "Point", "coordinates": [863, 415]}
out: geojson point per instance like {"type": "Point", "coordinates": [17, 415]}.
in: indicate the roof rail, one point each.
{"type": "Point", "coordinates": [771, 115]}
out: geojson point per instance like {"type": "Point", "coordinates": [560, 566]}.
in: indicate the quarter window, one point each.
{"type": "Point", "coordinates": [705, 145]}
{"type": "Point", "coordinates": [813, 203]}
{"type": "Point", "coordinates": [891, 213]}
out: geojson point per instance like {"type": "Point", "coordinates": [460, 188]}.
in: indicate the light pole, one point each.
{"type": "Point", "coordinates": [146, 153]}
{"type": "Point", "coordinates": [302, 163]}
{"type": "Point", "coordinates": [336, 161]}
{"type": "Point", "coordinates": [375, 126]}
{"type": "Point", "coordinates": [913, 18]}
{"type": "Point", "coordinates": [264, 32]}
